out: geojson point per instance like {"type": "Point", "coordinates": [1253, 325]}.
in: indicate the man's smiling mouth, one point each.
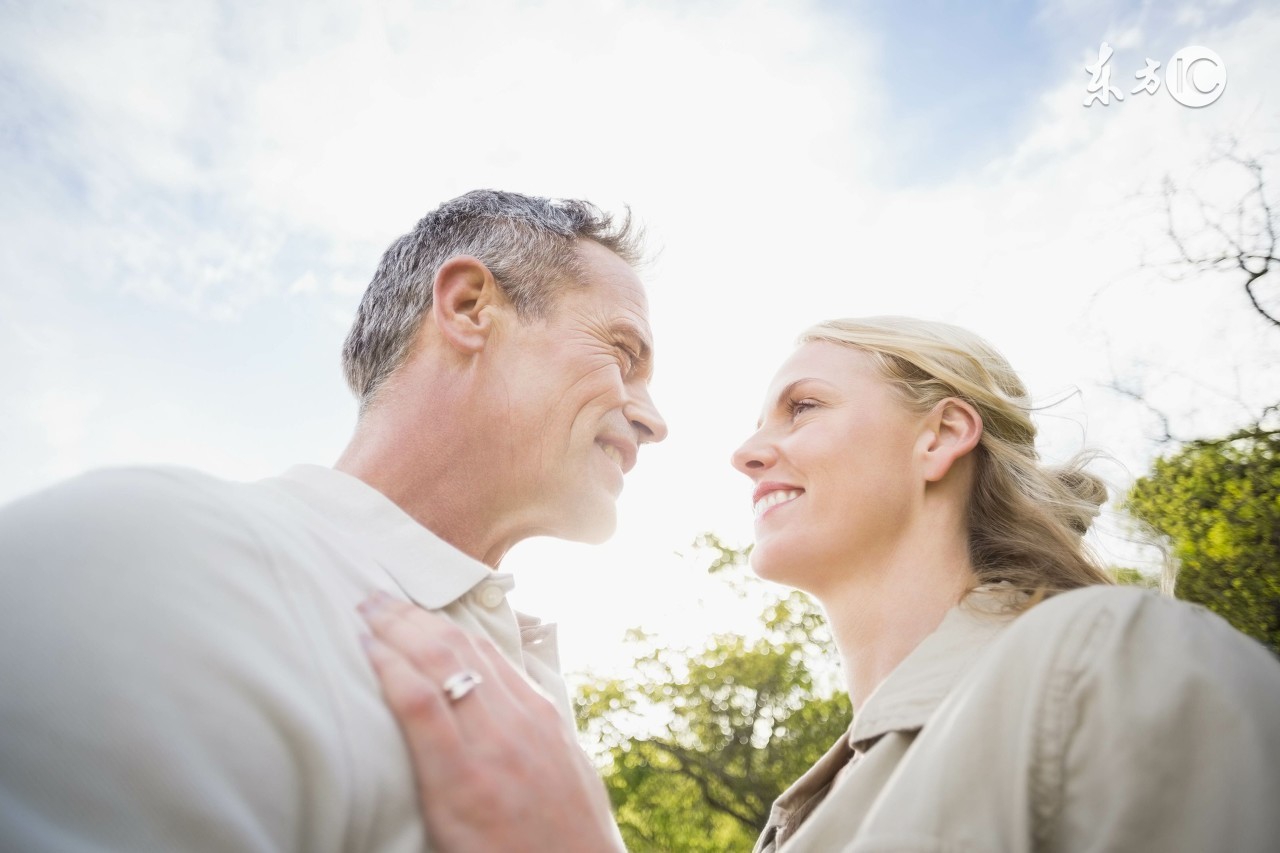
{"type": "Point", "coordinates": [613, 453]}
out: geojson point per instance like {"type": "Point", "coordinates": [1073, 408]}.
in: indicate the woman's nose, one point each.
{"type": "Point", "coordinates": [754, 455]}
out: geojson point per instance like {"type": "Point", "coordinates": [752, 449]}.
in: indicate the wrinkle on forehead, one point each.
{"type": "Point", "coordinates": [610, 308]}
{"type": "Point", "coordinates": [613, 311]}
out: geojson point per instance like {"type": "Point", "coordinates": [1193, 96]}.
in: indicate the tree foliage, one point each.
{"type": "Point", "coordinates": [1218, 503]}
{"type": "Point", "coordinates": [694, 745]}
{"type": "Point", "coordinates": [1134, 577]}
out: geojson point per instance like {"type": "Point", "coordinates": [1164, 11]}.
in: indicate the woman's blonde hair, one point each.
{"type": "Point", "coordinates": [1026, 521]}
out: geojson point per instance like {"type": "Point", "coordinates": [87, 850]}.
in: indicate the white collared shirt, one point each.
{"type": "Point", "coordinates": [180, 666]}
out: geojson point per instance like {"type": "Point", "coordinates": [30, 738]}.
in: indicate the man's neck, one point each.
{"type": "Point", "coordinates": [428, 476]}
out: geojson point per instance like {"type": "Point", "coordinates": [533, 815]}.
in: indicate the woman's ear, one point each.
{"type": "Point", "coordinates": [464, 294]}
{"type": "Point", "coordinates": [953, 429]}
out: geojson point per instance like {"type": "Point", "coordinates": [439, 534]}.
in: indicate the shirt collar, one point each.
{"type": "Point", "coordinates": [906, 699]}
{"type": "Point", "coordinates": [431, 572]}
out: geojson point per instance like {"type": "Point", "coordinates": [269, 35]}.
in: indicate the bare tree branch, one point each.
{"type": "Point", "coordinates": [1166, 436]}
{"type": "Point", "coordinates": [1252, 248]}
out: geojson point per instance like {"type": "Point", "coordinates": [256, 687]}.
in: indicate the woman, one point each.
{"type": "Point", "coordinates": [1008, 697]}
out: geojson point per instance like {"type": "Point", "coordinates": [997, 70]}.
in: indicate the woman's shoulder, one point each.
{"type": "Point", "coordinates": [1111, 632]}
{"type": "Point", "coordinates": [1119, 608]}
{"type": "Point", "coordinates": [1120, 600]}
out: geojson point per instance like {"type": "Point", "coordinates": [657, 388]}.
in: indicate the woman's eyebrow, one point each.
{"type": "Point", "coordinates": [787, 392]}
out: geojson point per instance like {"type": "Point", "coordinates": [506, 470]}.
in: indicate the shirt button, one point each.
{"type": "Point", "coordinates": [490, 595]}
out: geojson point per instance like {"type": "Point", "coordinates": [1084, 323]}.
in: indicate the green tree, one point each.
{"type": "Point", "coordinates": [696, 744]}
{"type": "Point", "coordinates": [1134, 577]}
{"type": "Point", "coordinates": [1218, 503]}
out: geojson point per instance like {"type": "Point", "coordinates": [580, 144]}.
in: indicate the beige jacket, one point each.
{"type": "Point", "coordinates": [1105, 719]}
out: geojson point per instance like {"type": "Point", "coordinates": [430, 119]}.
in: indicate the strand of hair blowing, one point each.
{"type": "Point", "coordinates": [1026, 521]}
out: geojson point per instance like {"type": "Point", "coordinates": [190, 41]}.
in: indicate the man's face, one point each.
{"type": "Point", "coordinates": [576, 387]}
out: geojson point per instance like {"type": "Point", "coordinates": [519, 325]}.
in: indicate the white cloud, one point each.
{"type": "Point", "coordinates": [205, 191]}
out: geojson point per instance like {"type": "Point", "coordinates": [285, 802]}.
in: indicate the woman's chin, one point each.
{"type": "Point", "coordinates": [775, 564]}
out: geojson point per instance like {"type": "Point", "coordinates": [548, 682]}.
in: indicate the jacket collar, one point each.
{"type": "Point", "coordinates": [430, 571]}
{"type": "Point", "coordinates": [903, 702]}
{"type": "Point", "coordinates": [906, 699]}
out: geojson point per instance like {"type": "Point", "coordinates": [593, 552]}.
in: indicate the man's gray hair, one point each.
{"type": "Point", "coordinates": [528, 243]}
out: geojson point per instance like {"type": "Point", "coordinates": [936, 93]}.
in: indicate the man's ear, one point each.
{"type": "Point", "coordinates": [952, 430]}
{"type": "Point", "coordinates": [464, 295]}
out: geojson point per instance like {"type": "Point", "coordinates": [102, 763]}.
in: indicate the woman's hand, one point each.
{"type": "Point", "coordinates": [497, 766]}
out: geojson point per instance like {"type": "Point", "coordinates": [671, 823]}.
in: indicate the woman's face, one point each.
{"type": "Point", "coordinates": [834, 468]}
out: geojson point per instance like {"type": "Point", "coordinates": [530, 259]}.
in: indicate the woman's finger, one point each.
{"type": "Point", "coordinates": [440, 652]}
{"type": "Point", "coordinates": [419, 705]}
{"type": "Point", "coordinates": [440, 649]}
{"type": "Point", "coordinates": [497, 767]}
{"type": "Point", "coordinates": [436, 647]}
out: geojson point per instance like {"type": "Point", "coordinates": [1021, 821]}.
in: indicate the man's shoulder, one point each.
{"type": "Point", "coordinates": [150, 641]}
{"type": "Point", "coordinates": [142, 521]}
{"type": "Point", "coordinates": [119, 487]}
{"type": "Point", "coordinates": [153, 495]}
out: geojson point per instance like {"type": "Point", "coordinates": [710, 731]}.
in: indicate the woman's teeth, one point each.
{"type": "Point", "coordinates": [772, 499]}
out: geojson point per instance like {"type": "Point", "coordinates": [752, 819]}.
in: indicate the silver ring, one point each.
{"type": "Point", "coordinates": [461, 683]}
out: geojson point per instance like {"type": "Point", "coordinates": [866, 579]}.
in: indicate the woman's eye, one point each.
{"type": "Point", "coordinates": [796, 407]}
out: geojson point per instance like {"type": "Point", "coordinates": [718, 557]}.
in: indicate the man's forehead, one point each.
{"type": "Point", "coordinates": [608, 287]}
{"type": "Point", "coordinates": [624, 300]}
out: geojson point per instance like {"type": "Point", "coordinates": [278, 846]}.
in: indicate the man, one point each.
{"type": "Point", "coordinates": [181, 666]}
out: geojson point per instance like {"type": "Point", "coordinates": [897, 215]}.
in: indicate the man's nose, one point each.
{"type": "Point", "coordinates": [645, 418]}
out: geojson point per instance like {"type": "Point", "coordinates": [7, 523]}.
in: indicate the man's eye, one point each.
{"type": "Point", "coordinates": [626, 358]}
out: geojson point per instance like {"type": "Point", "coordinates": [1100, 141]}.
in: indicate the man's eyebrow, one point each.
{"type": "Point", "coordinates": [631, 330]}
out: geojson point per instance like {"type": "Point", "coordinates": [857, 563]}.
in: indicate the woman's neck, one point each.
{"type": "Point", "coordinates": [878, 615]}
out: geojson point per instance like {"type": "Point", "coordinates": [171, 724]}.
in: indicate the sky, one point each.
{"type": "Point", "coordinates": [194, 196]}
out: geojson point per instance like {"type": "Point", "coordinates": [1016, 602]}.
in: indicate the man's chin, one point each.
{"type": "Point", "coordinates": [593, 526]}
